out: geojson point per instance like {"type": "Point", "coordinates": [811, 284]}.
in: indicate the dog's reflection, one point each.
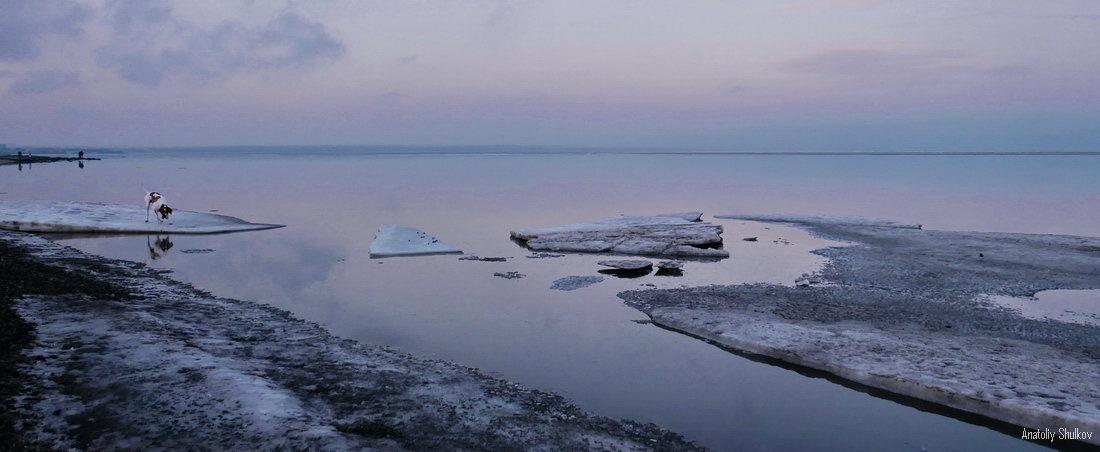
{"type": "Point", "coordinates": [158, 247]}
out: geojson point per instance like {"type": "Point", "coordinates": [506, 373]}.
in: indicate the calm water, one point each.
{"type": "Point", "coordinates": [582, 344]}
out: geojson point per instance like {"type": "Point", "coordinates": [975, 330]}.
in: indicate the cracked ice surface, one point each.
{"type": "Point", "coordinates": [671, 235]}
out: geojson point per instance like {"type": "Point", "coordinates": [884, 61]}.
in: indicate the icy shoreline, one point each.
{"type": "Point", "coordinates": [903, 310]}
{"type": "Point", "coordinates": [92, 217]}
{"type": "Point", "coordinates": [169, 366]}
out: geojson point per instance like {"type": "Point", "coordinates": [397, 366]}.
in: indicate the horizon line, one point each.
{"type": "Point", "coordinates": [406, 149]}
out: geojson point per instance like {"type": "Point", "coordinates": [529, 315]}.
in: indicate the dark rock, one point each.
{"type": "Point", "coordinates": [483, 259]}
{"type": "Point", "coordinates": [543, 255]}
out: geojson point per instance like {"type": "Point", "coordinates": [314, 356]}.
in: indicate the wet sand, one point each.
{"type": "Point", "coordinates": [122, 356]}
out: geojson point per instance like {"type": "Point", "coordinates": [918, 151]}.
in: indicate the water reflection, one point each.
{"type": "Point", "coordinates": [582, 344]}
{"type": "Point", "coordinates": [158, 247]}
{"type": "Point", "coordinates": [627, 274]}
{"type": "Point", "coordinates": [669, 272]}
{"type": "Point", "coordinates": [1005, 428]}
{"type": "Point", "coordinates": [1073, 306]}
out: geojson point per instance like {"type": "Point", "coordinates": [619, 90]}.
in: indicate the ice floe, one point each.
{"type": "Point", "coordinates": [392, 241]}
{"type": "Point", "coordinates": [575, 282]}
{"type": "Point", "coordinates": [670, 268]}
{"type": "Point", "coordinates": [674, 235]}
{"type": "Point", "coordinates": [670, 265]}
{"type": "Point", "coordinates": [73, 216]}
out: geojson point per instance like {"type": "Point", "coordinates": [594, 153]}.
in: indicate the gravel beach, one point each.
{"type": "Point", "coordinates": [107, 354]}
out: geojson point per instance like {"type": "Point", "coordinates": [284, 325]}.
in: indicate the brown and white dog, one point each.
{"type": "Point", "coordinates": [155, 202]}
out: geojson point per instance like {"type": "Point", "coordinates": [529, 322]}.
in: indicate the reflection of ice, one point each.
{"type": "Point", "coordinates": [1074, 306]}
{"type": "Point", "coordinates": [628, 274]}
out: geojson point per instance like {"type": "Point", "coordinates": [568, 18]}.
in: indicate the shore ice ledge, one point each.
{"type": "Point", "coordinates": [670, 235]}
{"type": "Point", "coordinates": [74, 216]}
{"type": "Point", "coordinates": [830, 220]}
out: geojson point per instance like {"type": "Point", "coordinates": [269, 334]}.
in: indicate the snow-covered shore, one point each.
{"type": "Point", "coordinates": [905, 310]}
{"type": "Point", "coordinates": [159, 364]}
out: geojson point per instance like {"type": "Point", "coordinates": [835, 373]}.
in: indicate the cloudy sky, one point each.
{"type": "Point", "coordinates": [769, 74]}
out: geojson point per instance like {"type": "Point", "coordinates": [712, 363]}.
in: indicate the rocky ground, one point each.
{"type": "Point", "coordinates": [105, 354]}
{"type": "Point", "coordinates": [905, 310]}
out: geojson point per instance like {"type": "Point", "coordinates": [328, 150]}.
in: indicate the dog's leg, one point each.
{"type": "Point", "coordinates": [147, 205]}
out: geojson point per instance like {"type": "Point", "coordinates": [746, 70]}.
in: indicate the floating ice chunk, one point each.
{"type": "Point", "coordinates": [670, 265]}
{"type": "Point", "coordinates": [72, 216]}
{"type": "Point", "coordinates": [823, 220]}
{"type": "Point", "coordinates": [393, 240]}
{"type": "Point", "coordinates": [670, 268]}
{"type": "Point", "coordinates": [575, 282]}
{"type": "Point", "coordinates": [659, 235]}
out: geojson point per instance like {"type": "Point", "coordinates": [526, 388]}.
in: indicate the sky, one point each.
{"type": "Point", "coordinates": [732, 75]}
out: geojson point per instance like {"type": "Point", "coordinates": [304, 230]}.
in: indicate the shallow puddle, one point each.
{"type": "Point", "coordinates": [1073, 306]}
